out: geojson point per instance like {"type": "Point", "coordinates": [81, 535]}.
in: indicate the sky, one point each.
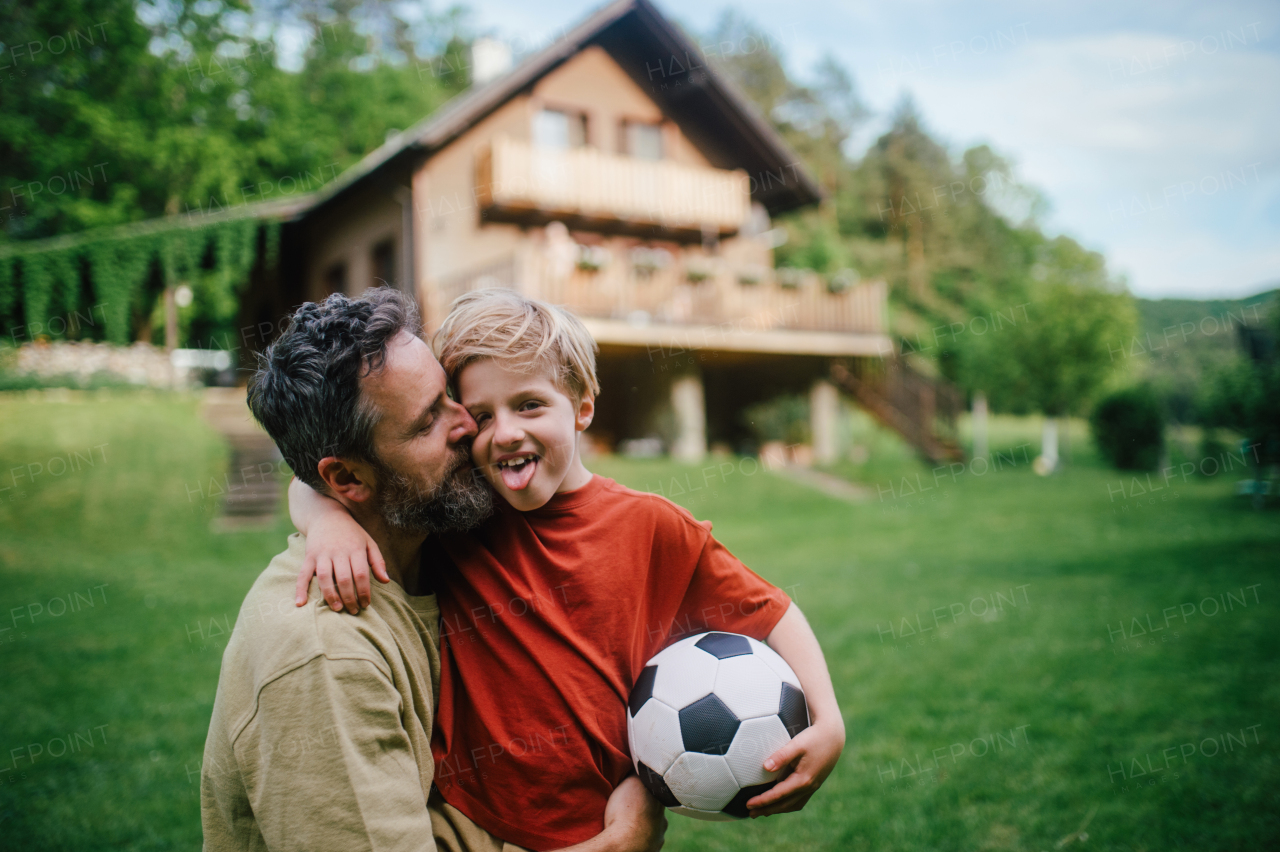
{"type": "Point", "coordinates": [1152, 129]}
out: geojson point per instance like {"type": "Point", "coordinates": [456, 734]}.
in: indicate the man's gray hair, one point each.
{"type": "Point", "coordinates": [306, 392]}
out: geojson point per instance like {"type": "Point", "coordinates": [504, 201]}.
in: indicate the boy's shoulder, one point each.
{"type": "Point", "coordinates": [647, 507]}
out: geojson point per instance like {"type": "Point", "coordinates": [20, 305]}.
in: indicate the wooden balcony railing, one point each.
{"type": "Point", "coordinates": [667, 296]}
{"type": "Point", "coordinates": [586, 187]}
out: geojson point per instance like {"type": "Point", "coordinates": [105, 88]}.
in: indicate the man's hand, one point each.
{"type": "Point", "coordinates": [810, 757]}
{"type": "Point", "coordinates": [639, 819]}
{"type": "Point", "coordinates": [634, 821]}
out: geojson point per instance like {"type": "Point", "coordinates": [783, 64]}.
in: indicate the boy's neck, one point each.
{"type": "Point", "coordinates": [577, 477]}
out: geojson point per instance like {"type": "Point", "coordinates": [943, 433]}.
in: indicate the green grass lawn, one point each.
{"type": "Point", "coordinates": [1032, 706]}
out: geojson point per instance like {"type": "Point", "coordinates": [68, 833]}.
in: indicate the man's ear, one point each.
{"type": "Point", "coordinates": [348, 481]}
{"type": "Point", "coordinates": [586, 412]}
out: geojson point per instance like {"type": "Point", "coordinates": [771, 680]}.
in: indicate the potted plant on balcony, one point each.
{"type": "Point", "coordinates": [646, 261]}
{"type": "Point", "coordinates": [751, 275]}
{"type": "Point", "coordinates": [592, 258]}
{"type": "Point", "coordinates": [842, 281]}
{"type": "Point", "coordinates": [698, 269]}
{"type": "Point", "coordinates": [791, 278]}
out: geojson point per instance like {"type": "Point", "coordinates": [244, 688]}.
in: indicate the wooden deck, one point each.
{"type": "Point", "coordinates": [667, 297]}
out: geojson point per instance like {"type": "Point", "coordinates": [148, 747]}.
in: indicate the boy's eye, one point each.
{"type": "Point", "coordinates": [480, 419]}
{"type": "Point", "coordinates": [530, 405]}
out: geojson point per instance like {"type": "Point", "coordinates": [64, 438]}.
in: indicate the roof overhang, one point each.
{"type": "Point", "coordinates": [712, 112]}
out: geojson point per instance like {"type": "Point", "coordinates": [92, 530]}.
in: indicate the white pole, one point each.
{"type": "Point", "coordinates": [979, 425]}
{"type": "Point", "coordinates": [1049, 445]}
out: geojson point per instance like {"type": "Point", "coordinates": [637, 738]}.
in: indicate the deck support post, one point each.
{"type": "Point", "coordinates": [689, 405]}
{"type": "Point", "coordinates": [824, 418]}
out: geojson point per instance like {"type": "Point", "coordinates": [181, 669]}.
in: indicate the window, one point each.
{"type": "Point", "coordinates": [384, 264]}
{"type": "Point", "coordinates": [643, 141]}
{"type": "Point", "coordinates": [335, 279]}
{"type": "Point", "coordinates": [553, 128]}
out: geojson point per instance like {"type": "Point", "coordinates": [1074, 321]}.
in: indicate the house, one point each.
{"type": "Point", "coordinates": [613, 172]}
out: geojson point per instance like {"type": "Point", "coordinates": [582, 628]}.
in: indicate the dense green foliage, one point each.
{"type": "Point", "coordinates": [1245, 395]}
{"type": "Point", "coordinates": [1182, 345]}
{"type": "Point", "coordinates": [1055, 357]}
{"type": "Point", "coordinates": [1070, 675]}
{"type": "Point", "coordinates": [114, 112]}
{"type": "Point", "coordinates": [783, 418]}
{"type": "Point", "coordinates": [1128, 427]}
{"type": "Point", "coordinates": [109, 288]}
{"type": "Point", "coordinates": [181, 107]}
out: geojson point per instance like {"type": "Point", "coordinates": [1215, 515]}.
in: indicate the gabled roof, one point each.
{"type": "Point", "coordinates": [711, 111]}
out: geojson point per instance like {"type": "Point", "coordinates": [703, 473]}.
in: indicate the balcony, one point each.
{"type": "Point", "coordinates": [588, 189]}
{"type": "Point", "coordinates": [625, 306]}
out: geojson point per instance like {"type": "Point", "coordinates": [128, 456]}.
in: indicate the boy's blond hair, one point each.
{"type": "Point", "coordinates": [508, 327]}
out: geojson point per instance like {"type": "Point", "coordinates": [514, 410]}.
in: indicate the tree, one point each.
{"type": "Point", "coordinates": [116, 112]}
{"type": "Point", "coordinates": [1057, 354]}
{"type": "Point", "coordinates": [120, 111]}
{"type": "Point", "coordinates": [1245, 397]}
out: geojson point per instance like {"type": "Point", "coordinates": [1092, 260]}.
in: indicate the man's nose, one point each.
{"type": "Point", "coordinates": [464, 426]}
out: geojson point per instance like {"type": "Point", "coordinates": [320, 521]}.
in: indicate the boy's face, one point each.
{"type": "Point", "coordinates": [528, 427]}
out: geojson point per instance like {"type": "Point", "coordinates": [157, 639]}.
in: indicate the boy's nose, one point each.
{"type": "Point", "coordinates": [508, 432]}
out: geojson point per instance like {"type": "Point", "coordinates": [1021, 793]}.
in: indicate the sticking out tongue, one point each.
{"type": "Point", "coordinates": [517, 477]}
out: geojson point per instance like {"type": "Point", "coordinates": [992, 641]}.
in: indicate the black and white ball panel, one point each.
{"type": "Point", "coordinates": [756, 740]}
{"type": "Point", "coordinates": [685, 678]}
{"type": "Point", "coordinates": [658, 727]}
{"type": "Point", "coordinates": [704, 715]}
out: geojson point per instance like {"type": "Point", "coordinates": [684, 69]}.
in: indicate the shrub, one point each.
{"type": "Point", "coordinates": [1128, 427]}
{"type": "Point", "coordinates": [783, 418]}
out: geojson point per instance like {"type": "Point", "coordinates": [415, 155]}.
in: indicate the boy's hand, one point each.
{"type": "Point", "coordinates": [811, 756]}
{"type": "Point", "coordinates": [340, 554]}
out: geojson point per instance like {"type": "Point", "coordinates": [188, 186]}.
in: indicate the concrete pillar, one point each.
{"type": "Point", "coordinates": [689, 406]}
{"type": "Point", "coordinates": [824, 421]}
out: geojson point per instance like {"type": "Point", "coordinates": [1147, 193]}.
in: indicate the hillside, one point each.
{"type": "Point", "coordinates": [1184, 341]}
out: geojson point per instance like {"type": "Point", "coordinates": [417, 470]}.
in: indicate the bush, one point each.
{"type": "Point", "coordinates": [783, 418]}
{"type": "Point", "coordinates": [1128, 427]}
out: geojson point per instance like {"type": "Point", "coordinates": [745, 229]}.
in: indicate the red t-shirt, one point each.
{"type": "Point", "coordinates": [547, 617]}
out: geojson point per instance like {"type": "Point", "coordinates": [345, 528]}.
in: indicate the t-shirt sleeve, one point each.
{"type": "Point", "coordinates": [723, 594]}
{"type": "Point", "coordinates": [327, 763]}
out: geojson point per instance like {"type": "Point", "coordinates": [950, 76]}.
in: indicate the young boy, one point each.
{"type": "Point", "coordinates": [552, 609]}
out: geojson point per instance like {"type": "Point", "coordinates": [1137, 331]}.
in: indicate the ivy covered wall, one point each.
{"type": "Point", "coordinates": [105, 288]}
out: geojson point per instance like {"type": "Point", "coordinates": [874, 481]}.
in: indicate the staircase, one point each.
{"type": "Point", "coordinates": [920, 409]}
{"type": "Point", "coordinates": [255, 477]}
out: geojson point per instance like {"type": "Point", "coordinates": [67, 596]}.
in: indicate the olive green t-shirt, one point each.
{"type": "Point", "coordinates": [321, 730]}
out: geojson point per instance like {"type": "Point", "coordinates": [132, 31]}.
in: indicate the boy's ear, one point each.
{"type": "Point", "coordinates": [349, 482]}
{"type": "Point", "coordinates": [586, 412]}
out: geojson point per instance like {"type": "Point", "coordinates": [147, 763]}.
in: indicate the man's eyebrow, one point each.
{"type": "Point", "coordinates": [416, 423]}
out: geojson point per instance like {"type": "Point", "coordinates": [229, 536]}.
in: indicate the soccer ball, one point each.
{"type": "Point", "coordinates": [703, 716]}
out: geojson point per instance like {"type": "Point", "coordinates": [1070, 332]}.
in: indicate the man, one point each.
{"type": "Point", "coordinates": [321, 728]}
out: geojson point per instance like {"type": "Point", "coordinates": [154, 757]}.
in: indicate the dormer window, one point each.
{"type": "Point", "coordinates": [642, 141]}
{"type": "Point", "coordinates": [559, 129]}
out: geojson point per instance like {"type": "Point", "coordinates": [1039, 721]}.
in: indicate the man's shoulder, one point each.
{"type": "Point", "coordinates": [273, 637]}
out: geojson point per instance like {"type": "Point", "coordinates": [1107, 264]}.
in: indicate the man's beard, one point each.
{"type": "Point", "coordinates": [458, 502]}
